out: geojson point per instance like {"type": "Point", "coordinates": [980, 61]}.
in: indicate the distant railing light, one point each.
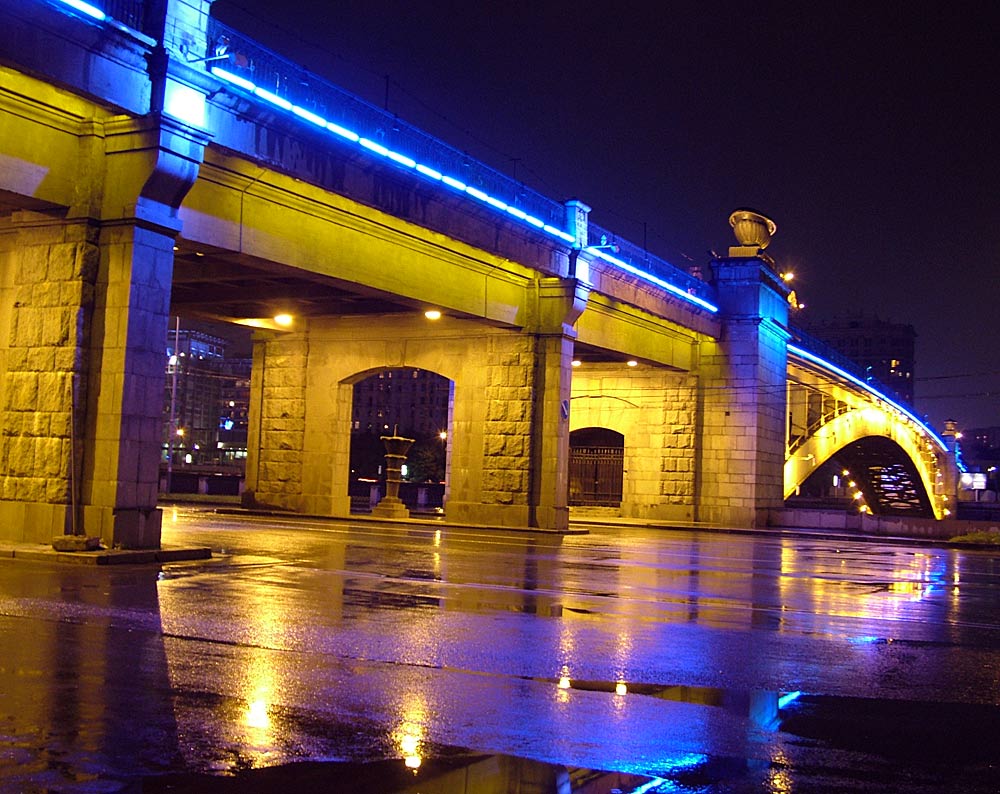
{"type": "Point", "coordinates": [86, 8]}
{"type": "Point", "coordinates": [235, 79]}
{"type": "Point", "coordinates": [343, 133]}
{"type": "Point", "coordinates": [673, 289]}
{"type": "Point", "coordinates": [274, 99]}
{"type": "Point", "coordinates": [302, 113]}
{"type": "Point", "coordinates": [802, 353]}
{"type": "Point", "coordinates": [429, 172]}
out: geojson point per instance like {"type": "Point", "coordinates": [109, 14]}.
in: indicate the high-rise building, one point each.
{"type": "Point", "coordinates": [883, 349]}
{"type": "Point", "coordinates": [206, 401]}
{"type": "Point", "coordinates": [412, 402]}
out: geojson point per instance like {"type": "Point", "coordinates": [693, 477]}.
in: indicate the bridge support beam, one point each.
{"type": "Point", "coordinates": [743, 389]}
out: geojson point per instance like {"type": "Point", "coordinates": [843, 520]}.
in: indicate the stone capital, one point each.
{"type": "Point", "coordinates": [150, 164]}
{"type": "Point", "coordinates": [557, 304]}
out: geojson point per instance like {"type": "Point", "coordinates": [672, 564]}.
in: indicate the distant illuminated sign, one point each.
{"type": "Point", "coordinates": [974, 480]}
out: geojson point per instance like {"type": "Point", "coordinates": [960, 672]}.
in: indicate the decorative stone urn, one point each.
{"type": "Point", "coordinates": [752, 229]}
{"type": "Point", "coordinates": [391, 506]}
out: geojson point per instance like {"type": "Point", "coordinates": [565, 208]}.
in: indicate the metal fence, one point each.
{"type": "Point", "coordinates": [595, 476]}
{"type": "Point", "coordinates": [274, 73]}
{"type": "Point", "coordinates": [128, 12]}
{"type": "Point", "coordinates": [851, 367]}
{"type": "Point", "coordinates": [641, 259]}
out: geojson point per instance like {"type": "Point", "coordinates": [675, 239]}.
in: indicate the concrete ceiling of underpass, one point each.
{"type": "Point", "coordinates": [226, 286]}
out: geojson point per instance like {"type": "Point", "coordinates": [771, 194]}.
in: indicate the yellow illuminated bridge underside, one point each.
{"type": "Point", "coordinates": [865, 416]}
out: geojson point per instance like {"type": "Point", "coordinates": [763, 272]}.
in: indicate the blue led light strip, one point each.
{"type": "Point", "coordinates": [86, 8]}
{"type": "Point", "coordinates": [457, 185]}
{"type": "Point", "coordinates": [656, 782]}
{"type": "Point", "coordinates": [400, 159]}
{"type": "Point", "coordinates": [675, 290]}
{"type": "Point", "coordinates": [798, 351]}
{"type": "Point", "coordinates": [425, 171]}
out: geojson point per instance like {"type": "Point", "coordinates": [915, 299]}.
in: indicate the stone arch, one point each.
{"type": "Point", "coordinates": [655, 410]}
{"type": "Point", "coordinates": [304, 397]}
{"type": "Point", "coordinates": [405, 401]}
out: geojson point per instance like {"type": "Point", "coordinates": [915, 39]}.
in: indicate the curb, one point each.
{"type": "Point", "coordinates": [433, 522]}
{"type": "Point", "coordinates": [42, 553]}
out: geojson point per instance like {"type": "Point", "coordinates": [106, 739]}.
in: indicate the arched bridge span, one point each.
{"type": "Point", "coordinates": [870, 445]}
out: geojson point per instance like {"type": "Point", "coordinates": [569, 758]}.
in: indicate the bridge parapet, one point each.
{"type": "Point", "coordinates": [244, 61]}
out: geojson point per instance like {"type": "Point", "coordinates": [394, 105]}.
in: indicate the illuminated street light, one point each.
{"type": "Point", "coordinates": [284, 320]}
{"type": "Point", "coordinates": [432, 314]}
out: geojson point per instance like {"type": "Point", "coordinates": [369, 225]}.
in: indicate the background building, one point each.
{"type": "Point", "coordinates": [413, 400]}
{"type": "Point", "coordinates": [407, 402]}
{"type": "Point", "coordinates": [884, 349]}
{"type": "Point", "coordinates": [206, 401]}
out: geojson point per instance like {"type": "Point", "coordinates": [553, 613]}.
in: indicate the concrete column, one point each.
{"type": "Point", "coordinates": [743, 396]}
{"type": "Point", "coordinates": [548, 472]}
{"type": "Point", "coordinates": [558, 304]}
{"type": "Point", "coordinates": [125, 386]}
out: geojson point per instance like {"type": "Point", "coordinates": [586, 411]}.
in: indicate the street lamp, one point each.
{"type": "Point", "coordinates": [174, 363]}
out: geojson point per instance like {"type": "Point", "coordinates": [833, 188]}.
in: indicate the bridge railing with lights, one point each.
{"type": "Point", "coordinates": [128, 12]}
{"type": "Point", "coordinates": [270, 71]}
{"type": "Point", "coordinates": [825, 351]}
{"type": "Point", "coordinates": [641, 259]}
{"type": "Point", "coordinates": [238, 58]}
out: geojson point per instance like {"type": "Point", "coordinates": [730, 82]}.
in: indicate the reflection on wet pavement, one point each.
{"type": "Point", "coordinates": [310, 655]}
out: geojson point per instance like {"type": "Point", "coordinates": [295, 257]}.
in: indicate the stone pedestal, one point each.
{"type": "Point", "coordinates": [391, 506]}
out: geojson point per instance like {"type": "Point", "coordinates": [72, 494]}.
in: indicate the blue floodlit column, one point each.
{"type": "Point", "coordinates": [743, 421]}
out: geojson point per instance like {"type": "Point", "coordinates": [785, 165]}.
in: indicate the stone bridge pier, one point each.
{"type": "Point", "coordinates": [85, 299]}
{"type": "Point", "coordinates": [508, 434]}
{"type": "Point", "coordinates": [90, 193]}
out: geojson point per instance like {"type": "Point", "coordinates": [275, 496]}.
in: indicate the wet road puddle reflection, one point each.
{"type": "Point", "coordinates": [460, 772]}
{"type": "Point", "coordinates": [805, 743]}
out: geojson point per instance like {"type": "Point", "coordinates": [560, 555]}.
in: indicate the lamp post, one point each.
{"type": "Point", "coordinates": [175, 361]}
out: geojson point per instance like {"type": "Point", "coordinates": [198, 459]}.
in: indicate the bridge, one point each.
{"type": "Point", "coordinates": [155, 162]}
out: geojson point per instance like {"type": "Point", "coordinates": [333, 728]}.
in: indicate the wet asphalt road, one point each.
{"type": "Point", "coordinates": [310, 655]}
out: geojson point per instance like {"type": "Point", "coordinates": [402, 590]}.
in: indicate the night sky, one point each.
{"type": "Point", "coordinates": [863, 129]}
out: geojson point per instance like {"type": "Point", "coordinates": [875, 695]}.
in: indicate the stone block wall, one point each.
{"type": "Point", "coordinates": [301, 396]}
{"type": "Point", "coordinates": [278, 419]}
{"type": "Point", "coordinates": [655, 409]}
{"type": "Point", "coordinates": [48, 273]}
{"type": "Point", "coordinates": [507, 410]}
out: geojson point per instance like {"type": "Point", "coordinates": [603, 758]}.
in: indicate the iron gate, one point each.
{"type": "Point", "coordinates": [595, 475]}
